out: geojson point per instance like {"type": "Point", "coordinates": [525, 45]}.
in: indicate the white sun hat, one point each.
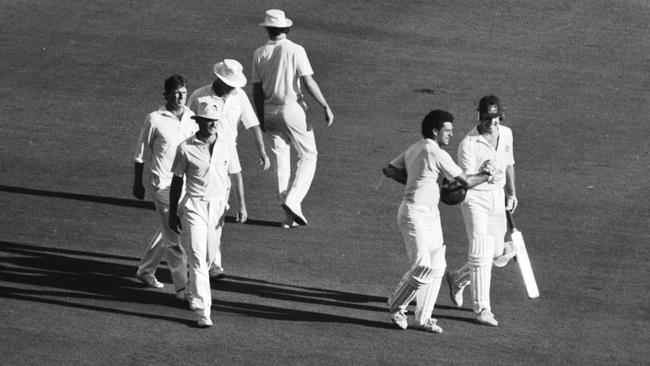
{"type": "Point", "coordinates": [230, 72]}
{"type": "Point", "coordinates": [275, 18]}
{"type": "Point", "coordinates": [208, 110]}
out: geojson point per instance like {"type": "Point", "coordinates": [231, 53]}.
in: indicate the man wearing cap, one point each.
{"type": "Point", "coordinates": [226, 90]}
{"type": "Point", "coordinates": [485, 206]}
{"type": "Point", "coordinates": [419, 167]}
{"type": "Point", "coordinates": [280, 67]}
{"type": "Point", "coordinates": [206, 161]}
{"type": "Point", "coordinates": [161, 133]}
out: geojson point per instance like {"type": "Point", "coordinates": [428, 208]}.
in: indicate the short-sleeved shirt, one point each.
{"type": "Point", "coordinates": [424, 161]}
{"type": "Point", "coordinates": [474, 150]}
{"type": "Point", "coordinates": [207, 176]}
{"type": "Point", "coordinates": [236, 104]}
{"type": "Point", "coordinates": [279, 65]}
{"type": "Point", "coordinates": [159, 138]}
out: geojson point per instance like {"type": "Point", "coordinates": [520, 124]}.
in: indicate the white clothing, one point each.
{"type": "Point", "coordinates": [424, 161]}
{"type": "Point", "coordinates": [159, 138]}
{"type": "Point", "coordinates": [279, 65]}
{"type": "Point", "coordinates": [474, 150]}
{"type": "Point", "coordinates": [236, 106]}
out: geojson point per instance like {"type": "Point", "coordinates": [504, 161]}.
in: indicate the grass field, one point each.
{"type": "Point", "coordinates": [78, 78]}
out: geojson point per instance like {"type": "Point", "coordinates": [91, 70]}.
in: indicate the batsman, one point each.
{"type": "Point", "coordinates": [484, 207]}
{"type": "Point", "coordinates": [419, 168]}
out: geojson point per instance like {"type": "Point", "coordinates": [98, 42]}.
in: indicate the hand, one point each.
{"type": "Point", "coordinates": [138, 191]}
{"type": "Point", "coordinates": [511, 203]}
{"type": "Point", "coordinates": [487, 168]}
{"type": "Point", "coordinates": [242, 216]}
{"type": "Point", "coordinates": [265, 162]}
{"type": "Point", "coordinates": [329, 116]}
{"type": "Point", "coordinates": [175, 223]}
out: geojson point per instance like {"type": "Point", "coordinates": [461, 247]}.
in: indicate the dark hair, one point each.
{"type": "Point", "coordinates": [174, 82]}
{"type": "Point", "coordinates": [275, 31]}
{"type": "Point", "coordinates": [434, 121]}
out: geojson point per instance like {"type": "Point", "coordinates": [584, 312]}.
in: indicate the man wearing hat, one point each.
{"type": "Point", "coordinates": [280, 67]}
{"type": "Point", "coordinates": [161, 133]}
{"type": "Point", "coordinates": [206, 161]}
{"type": "Point", "coordinates": [485, 206]}
{"type": "Point", "coordinates": [226, 90]}
{"type": "Point", "coordinates": [419, 167]}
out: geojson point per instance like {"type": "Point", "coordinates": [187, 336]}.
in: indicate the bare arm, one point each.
{"type": "Point", "coordinates": [174, 195]}
{"type": "Point", "coordinates": [238, 181]}
{"type": "Point", "coordinates": [511, 192]}
{"type": "Point", "coordinates": [259, 142]}
{"type": "Point", "coordinates": [258, 101]}
{"type": "Point", "coordinates": [472, 180]}
{"type": "Point", "coordinates": [138, 186]}
{"type": "Point", "coordinates": [395, 173]}
{"type": "Point", "coordinates": [315, 92]}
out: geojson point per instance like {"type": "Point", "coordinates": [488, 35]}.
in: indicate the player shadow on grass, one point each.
{"type": "Point", "coordinates": [83, 280]}
{"type": "Point", "coordinates": [123, 202]}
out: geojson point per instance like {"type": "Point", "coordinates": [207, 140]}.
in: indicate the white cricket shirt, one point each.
{"type": "Point", "coordinates": [424, 161]}
{"type": "Point", "coordinates": [474, 150]}
{"type": "Point", "coordinates": [278, 65]}
{"type": "Point", "coordinates": [159, 138]}
{"type": "Point", "coordinates": [207, 176]}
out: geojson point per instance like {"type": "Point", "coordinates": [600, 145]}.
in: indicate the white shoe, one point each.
{"type": "Point", "coordinates": [455, 289]}
{"type": "Point", "coordinates": [204, 321]}
{"type": "Point", "coordinates": [509, 251]}
{"type": "Point", "coordinates": [149, 280]}
{"type": "Point", "coordinates": [295, 212]}
{"type": "Point", "coordinates": [429, 326]}
{"type": "Point", "coordinates": [486, 317]}
{"type": "Point", "coordinates": [399, 319]}
{"type": "Point", "coordinates": [217, 273]}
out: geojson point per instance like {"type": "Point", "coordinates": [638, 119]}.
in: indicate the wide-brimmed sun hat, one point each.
{"type": "Point", "coordinates": [208, 110]}
{"type": "Point", "coordinates": [275, 18]}
{"type": "Point", "coordinates": [230, 72]}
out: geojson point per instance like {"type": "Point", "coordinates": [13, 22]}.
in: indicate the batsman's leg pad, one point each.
{"type": "Point", "coordinates": [480, 264]}
{"type": "Point", "coordinates": [412, 280]}
{"type": "Point", "coordinates": [427, 295]}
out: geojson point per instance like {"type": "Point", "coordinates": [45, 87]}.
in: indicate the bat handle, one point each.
{"type": "Point", "coordinates": [511, 222]}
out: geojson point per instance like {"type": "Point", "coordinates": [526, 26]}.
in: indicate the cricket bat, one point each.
{"type": "Point", "coordinates": [522, 259]}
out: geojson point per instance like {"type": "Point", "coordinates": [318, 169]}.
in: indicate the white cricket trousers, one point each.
{"type": "Point", "coordinates": [165, 243]}
{"type": "Point", "coordinates": [202, 222]}
{"type": "Point", "coordinates": [287, 127]}
{"type": "Point", "coordinates": [422, 233]}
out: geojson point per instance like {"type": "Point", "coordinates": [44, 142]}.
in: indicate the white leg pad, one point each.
{"type": "Point", "coordinates": [427, 295]}
{"type": "Point", "coordinates": [480, 264]}
{"type": "Point", "coordinates": [412, 280]}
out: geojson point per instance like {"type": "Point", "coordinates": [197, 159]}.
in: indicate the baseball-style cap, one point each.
{"type": "Point", "coordinates": [275, 18]}
{"type": "Point", "coordinates": [489, 107]}
{"type": "Point", "coordinates": [207, 110]}
{"type": "Point", "coordinates": [230, 72]}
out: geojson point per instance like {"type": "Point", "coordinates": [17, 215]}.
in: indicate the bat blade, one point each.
{"type": "Point", "coordinates": [524, 264]}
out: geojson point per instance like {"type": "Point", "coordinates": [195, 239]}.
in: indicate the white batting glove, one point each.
{"type": "Point", "coordinates": [511, 203]}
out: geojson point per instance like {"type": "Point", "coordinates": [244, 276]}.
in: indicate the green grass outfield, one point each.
{"type": "Point", "coordinates": [78, 78]}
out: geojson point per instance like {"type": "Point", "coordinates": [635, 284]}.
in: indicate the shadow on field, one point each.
{"type": "Point", "coordinates": [124, 202]}
{"type": "Point", "coordinates": [98, 282]}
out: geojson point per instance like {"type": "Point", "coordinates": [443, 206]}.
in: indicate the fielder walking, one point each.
{"type": "Point", "coordinates": [226, 91]}
{"type": "Point", "coordinates": [161, 133]}
{"type": "Point", "coordinates": [485, 206]}
{"type": "Point", "coordinates": [280, 67]}
{"type": "Point", "coordinates": [419, 168]}
{"type": "Point", "coordinates": [206, 161]}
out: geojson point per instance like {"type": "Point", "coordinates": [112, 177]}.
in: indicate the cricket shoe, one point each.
{"type": "Point", "coordinates": [149, 280]}
{"type": "Point", "coordinates": [399, 319]}
{"type": "Point", "coordinates": [456, 287]}
{"type": "Point", "coordinates": [295, 212]}
{"type": "Point", "coordinates": [429, 326]}
{"type": "Point", "coordinates": [509, 251]}
{"type": "Point", "coordinates": [486, 317]}
{"type": "Point", "coordinates": [216, 273]}
{"type": "Point", "coordinates": [204, 321]}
